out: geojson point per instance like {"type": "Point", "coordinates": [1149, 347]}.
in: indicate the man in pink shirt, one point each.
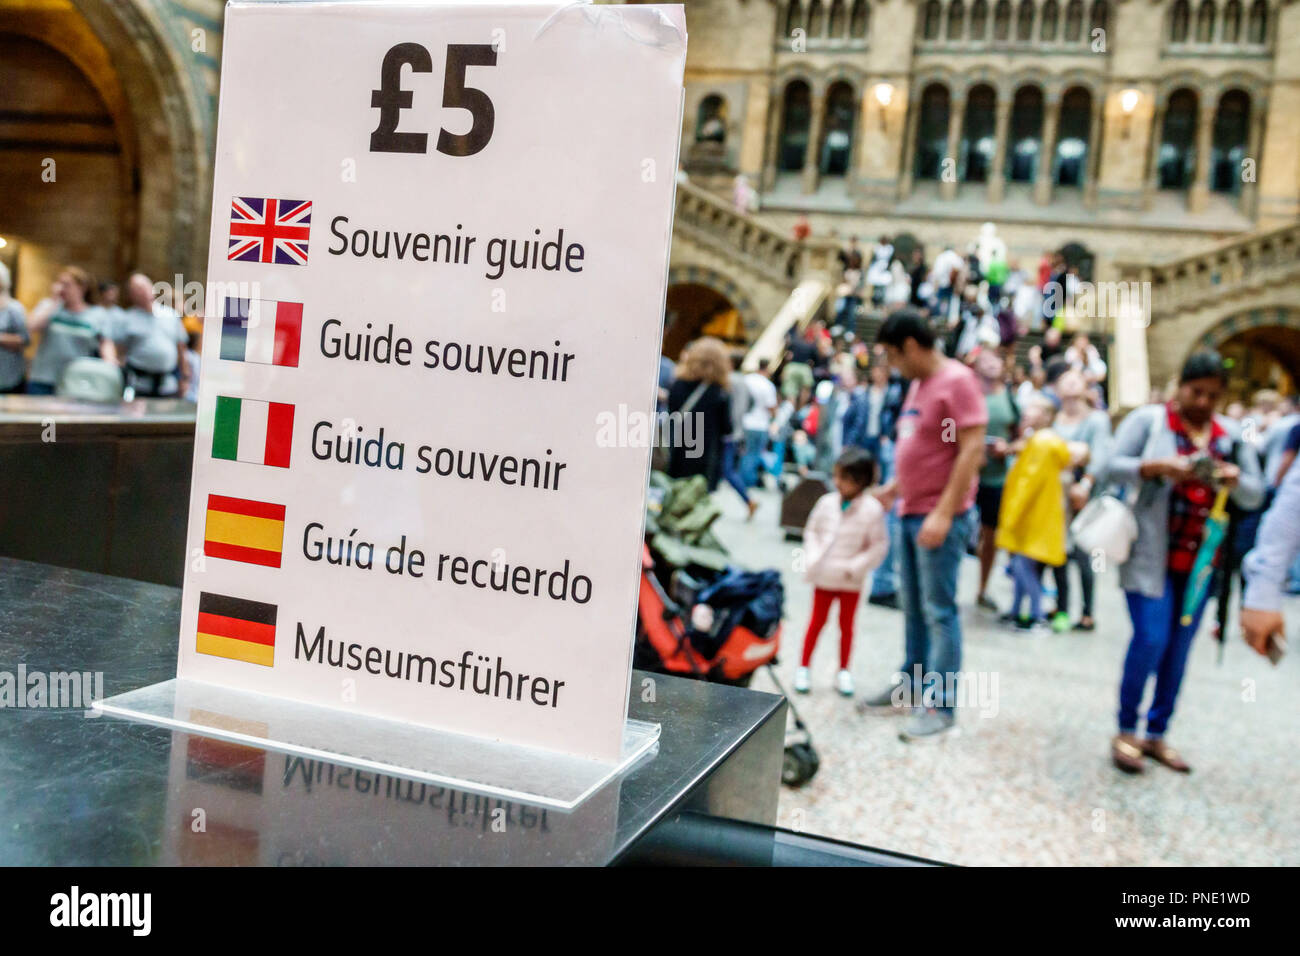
{"type": "Point", "coordinates": [938, 455]}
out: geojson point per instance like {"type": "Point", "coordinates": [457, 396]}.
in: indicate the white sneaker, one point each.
{"type": "Point", "coordinates": [844, 683]}
{"type": "Point", "coordinates": [802, 684]}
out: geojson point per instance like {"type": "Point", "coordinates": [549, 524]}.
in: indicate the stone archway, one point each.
{"type": "Point", "coordinates": [1263, 346]}
{"type": "Point", "coordinates": [698, 296]}
{"type": "Point", "coordinates": [135, 58]}
{"type": "Point", "coordinates": [174, 122]}
{"type": "Point", "coordinates": [65, 157]}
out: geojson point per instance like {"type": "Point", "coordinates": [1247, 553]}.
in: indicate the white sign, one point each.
{"type": "Point", "coordinates": [438, 257]}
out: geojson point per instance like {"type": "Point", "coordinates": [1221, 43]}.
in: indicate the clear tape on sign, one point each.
{"type": "Point", "coordinates": [657, 29]}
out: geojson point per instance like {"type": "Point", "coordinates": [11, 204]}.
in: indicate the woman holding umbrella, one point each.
{"type": "Point", "coordinates": [1173, 457]}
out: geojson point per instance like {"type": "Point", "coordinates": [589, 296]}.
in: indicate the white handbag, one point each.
{"type": "Point", "coordinates": [1105, 525]}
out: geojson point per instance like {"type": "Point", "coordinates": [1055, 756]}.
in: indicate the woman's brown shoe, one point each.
{"type": "Point", "coordinates": [1161, 752]}
{"type": "Point", "coordinates": [1127, 753]}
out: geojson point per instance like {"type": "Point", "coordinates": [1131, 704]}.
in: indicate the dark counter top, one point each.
{"type": "Point", "coordinates": [22, 416]}
{"type": "Point", "coordinates": [102, 791]}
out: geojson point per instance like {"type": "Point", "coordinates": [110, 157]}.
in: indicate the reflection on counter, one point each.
{"type": "Point", "coordinates": [235, 805]}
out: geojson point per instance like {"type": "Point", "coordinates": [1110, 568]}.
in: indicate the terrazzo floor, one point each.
{"type": "Point", "coordinates": [1028, 781]}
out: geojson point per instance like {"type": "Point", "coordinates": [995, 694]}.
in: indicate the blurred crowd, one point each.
{"type": "Point", "coordinates": [96, 343]}
{"type": "Point", "coordinates": [948, 436]}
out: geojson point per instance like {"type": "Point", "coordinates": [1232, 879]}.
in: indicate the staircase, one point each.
{"type": "Point", "coordinates": [761, 249]}
{"type": "Point", "coordinates": [789, 280]}
{"type": "Point", "coordinates": [869, 322]}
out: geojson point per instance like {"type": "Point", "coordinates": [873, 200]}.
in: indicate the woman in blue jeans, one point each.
{"type": "Point", "coordinates": [1173, 457]}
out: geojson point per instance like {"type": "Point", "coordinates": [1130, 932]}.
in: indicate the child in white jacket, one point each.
{"type": "Point", "coordinates": [846, 538]}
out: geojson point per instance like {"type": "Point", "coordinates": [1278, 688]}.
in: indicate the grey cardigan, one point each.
{"type": "Point", "coordinates": [1145, 435]}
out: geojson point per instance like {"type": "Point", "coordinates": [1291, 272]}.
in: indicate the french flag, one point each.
{"type": "Point", "coordinates": [261, 331]}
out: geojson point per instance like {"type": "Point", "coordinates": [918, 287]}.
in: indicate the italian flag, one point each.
{"type": "Point", "coordinates": [252, 431]}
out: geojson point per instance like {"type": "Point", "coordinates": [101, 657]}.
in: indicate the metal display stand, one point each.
{"type": "Point", "coordinates": [538, 777]}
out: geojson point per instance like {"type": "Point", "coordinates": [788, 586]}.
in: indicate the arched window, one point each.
{"type": "Point", "coordinates": [838, 20]}
{"type": "Point", "coordinates": [711, 120]}
{"type": "Point", "coordinates": [1205, 22]}
{"type": "Point", "coordinates": [956, 19]}
{"type": "Point", "coordinates": [1100, 14]}
{"type": "Point", "coordinates": [1074, 21]}
{"type": "Point", "coordinates": [859, 19]}
{"type": "Point", "coordinates": [816, 20]}
{"type": "Point", "coordinates": [1232, 22]}
{"type": "Point", "coordinates": [979, 20]}
{"type": "Point", "coordinates": [1231, 127]}
{"type": "Point", "coordinates": [1025, 21]}
{"type": "Point", "coordinates": [794, 18]}
{"type": "Point", "coordinates": [1177, 157]}
{"type": "Point", "coordinates": [837, 142]}
{"type": "Point", "coordinates": [1074, 129]}
{"type": "Point", "coordinates": [1179, 18]}
{"type": "Point", "coordinates": [1026, 134]}
{"type": "Point", "coordinates": [979, 128]}
{"type": "Point", "coordinates": [796, 114]}
{"type": "Point", "coordinates": [932, 132]}
{"type": "Point", "coordinates": [1257, 31]}
{"type": "Point", "coordinates": [1002, 21]}
{"type": "Point", "coordinates": [930, 22]}
{"type": "Point", "coordinates": [1047, 32]}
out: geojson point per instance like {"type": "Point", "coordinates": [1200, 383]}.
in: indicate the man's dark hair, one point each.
{"type": "Point", "coordinates": [903, 325]}
{"type": "Point", "coordinates": [1204, 364]}
{"type": "Point", "coordinates": [1054, 370]}
{"type": "Point", "coordinates": [858, 465]}
{"type": "Point", "coordinates": [763, 364]}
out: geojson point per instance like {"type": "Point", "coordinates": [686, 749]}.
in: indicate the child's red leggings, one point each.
{"type": "Point", "coordinates": [821, 608]}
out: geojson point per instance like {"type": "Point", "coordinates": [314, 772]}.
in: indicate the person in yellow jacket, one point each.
{"type": "Point", "coordinates": [1031, 520]}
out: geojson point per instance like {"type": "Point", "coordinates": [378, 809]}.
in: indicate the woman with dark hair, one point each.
{"type": "Point", "coordinates": [700, 401]}
{"type": "Point", "coordinates": [1173, 457]}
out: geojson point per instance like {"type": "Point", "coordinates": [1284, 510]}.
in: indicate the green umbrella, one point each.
{"type": "Point", "coordinates": [1198, 585]}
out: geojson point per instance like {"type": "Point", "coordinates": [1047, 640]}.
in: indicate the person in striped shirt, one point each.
{"type": "Point", "coordinates": [72, 326]}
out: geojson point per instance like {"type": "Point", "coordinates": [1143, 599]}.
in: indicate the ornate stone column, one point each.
{"type": "Point", "coordinates": [956, 113]}
{"type": "Point", "coordinates": [1047, 150]}
{"type": "Point", "coordinates": [1199, 194]}
{"type": "Point", "coordinates": [775, 105]}
{"type": "Point", "coordinates": [1153, 155]}
{"type": "Point", "coordinates": [1092, 173]}
{"type": "Point", "coordinates": [997, 177]}
{"type": "Point", "coordinates": [812, 151]}
{"type": "Point", "coordinates": [1254, 146]}
{"type": "Point", "coordinates": [908, 164]}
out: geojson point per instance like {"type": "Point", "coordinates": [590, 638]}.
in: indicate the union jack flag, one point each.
{"type": "Point", "coordinates": [269, 230]}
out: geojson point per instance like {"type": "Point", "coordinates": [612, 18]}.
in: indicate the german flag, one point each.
{"type": "Point", "coordinates": [239, 529]}
{"type": "Point", "coordinates": [237, 629]}
{"type": "Point", "coordinates": [219, 761]}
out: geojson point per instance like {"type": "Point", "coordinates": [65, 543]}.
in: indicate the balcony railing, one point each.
{"type": "Point", "coordinates": [1229, 268]}
{"type": "Point", "coordinates": [716, 224]}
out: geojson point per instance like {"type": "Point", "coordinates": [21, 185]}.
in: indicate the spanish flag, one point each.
{"type": "Point", "coordinates": [239, 529]}
{"type": "Point", "coordinates": [235, 628]}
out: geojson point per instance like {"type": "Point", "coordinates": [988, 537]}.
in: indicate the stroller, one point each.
{"type": "Point", "coordinates": [720, 630]}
